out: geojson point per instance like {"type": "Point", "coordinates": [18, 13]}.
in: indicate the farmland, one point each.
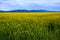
{"type": "Point", "coordinates": [29, 26]}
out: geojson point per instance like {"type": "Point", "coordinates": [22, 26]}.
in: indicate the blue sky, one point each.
{"type": "Point", "coordinates": [51, 5]}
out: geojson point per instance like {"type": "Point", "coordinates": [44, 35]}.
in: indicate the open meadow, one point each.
{"type": "Point", "coordinates": [29, 25]}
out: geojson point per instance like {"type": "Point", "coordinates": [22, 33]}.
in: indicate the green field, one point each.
{"type": "Point", "coordinates": [29, 25]}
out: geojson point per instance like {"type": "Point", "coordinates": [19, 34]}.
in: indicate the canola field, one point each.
{"type": "Point", "coordinates": [29, 25]}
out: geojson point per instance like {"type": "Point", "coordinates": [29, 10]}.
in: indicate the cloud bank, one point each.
{"type": "Point", "coordinates": [51, 5]}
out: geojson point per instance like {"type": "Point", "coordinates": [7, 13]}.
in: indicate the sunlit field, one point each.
{"type": "Point", "coordinates": [29, 25]}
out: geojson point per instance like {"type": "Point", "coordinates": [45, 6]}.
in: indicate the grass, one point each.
{"type": "Point", "coordinates": [30, 26]}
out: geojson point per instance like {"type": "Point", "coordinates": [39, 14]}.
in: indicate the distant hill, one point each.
{"type": "Point", "coordinates": [1, 11]}
{"type": "Point", "coordinates": [25, 11]}
{"type": "Point", "coordinates": [28, 11]}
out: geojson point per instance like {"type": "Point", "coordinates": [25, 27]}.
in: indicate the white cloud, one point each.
{"type": "Point", "coordinates": [29, 4]}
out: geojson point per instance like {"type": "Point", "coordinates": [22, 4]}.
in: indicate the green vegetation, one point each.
{"type": "Point", "coordinates": [31, 27]}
